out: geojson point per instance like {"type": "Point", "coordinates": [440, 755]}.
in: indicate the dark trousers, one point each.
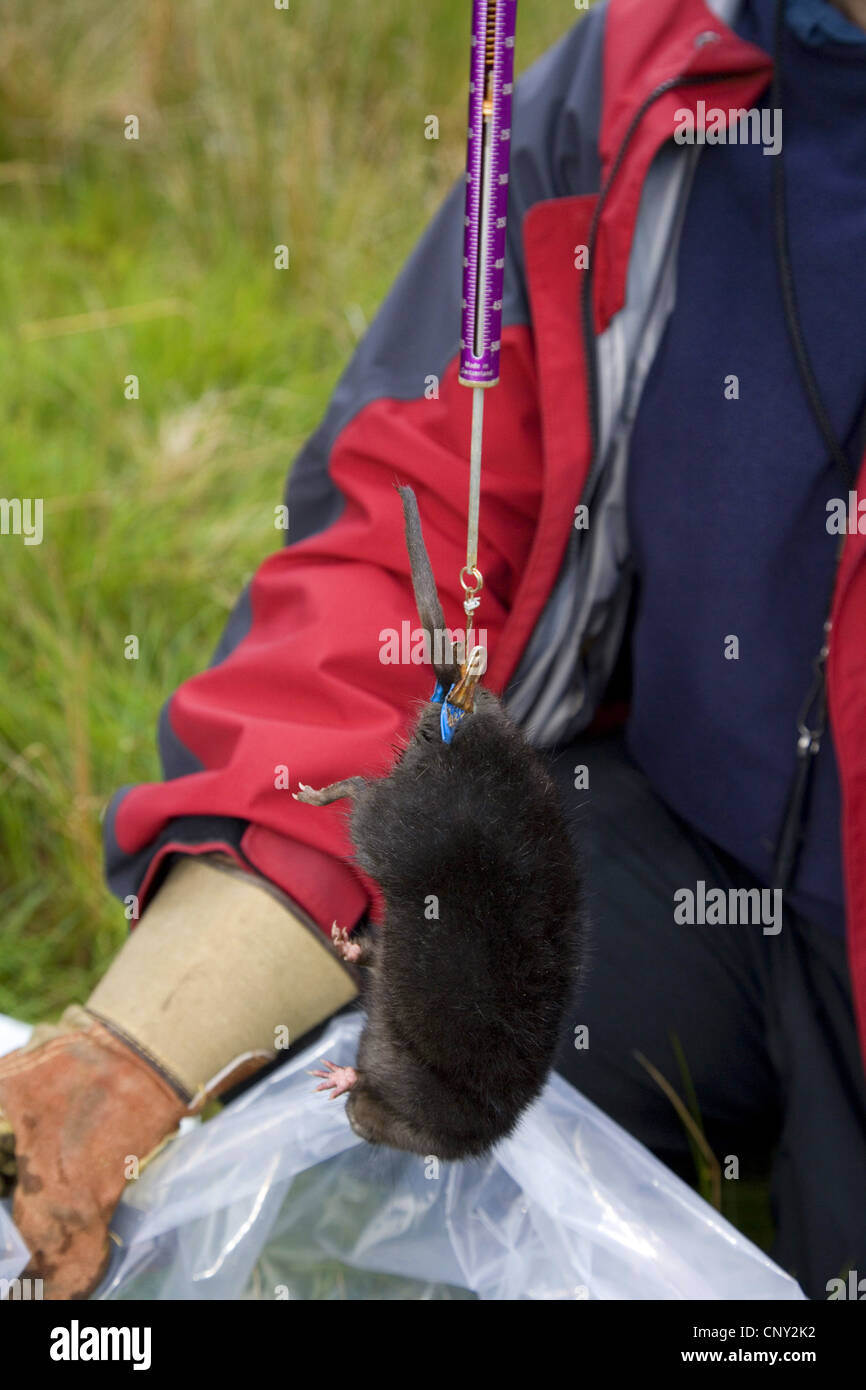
{"type": "Point", "coordinates": [765, 1022]}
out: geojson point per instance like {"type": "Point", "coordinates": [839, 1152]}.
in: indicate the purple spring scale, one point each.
{"type": "Point", "coordinates": [491, 78]}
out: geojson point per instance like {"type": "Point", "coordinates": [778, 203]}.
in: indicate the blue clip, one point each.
{"type": "Point", "coordinates": [451, 714]}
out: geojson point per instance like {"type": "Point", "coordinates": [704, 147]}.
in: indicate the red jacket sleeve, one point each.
{"type": "Point", "coordinates": [302, 677]}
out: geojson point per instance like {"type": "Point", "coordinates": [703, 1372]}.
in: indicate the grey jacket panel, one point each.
{"type": "Point", "coordinates": [573, 650]}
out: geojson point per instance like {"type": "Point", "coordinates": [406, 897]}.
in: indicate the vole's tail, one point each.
{"type": "Point", "coordinates": [426, 595]}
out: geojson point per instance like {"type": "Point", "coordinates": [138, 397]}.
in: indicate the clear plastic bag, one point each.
{"type": "Point", "coordinates": [276, 1198]}
{"type": "Point", "coordinates": [13, 1251]}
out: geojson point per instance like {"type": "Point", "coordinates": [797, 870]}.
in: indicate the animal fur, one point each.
{"type": "Point", "coordinates": [465, 1005]}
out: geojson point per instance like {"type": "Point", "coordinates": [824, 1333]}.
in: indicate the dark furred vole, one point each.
{"type": "Point", "coordinates": [470, 976]}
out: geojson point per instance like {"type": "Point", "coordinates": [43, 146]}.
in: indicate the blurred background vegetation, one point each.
{"type": "Point", "coordinates": [155, 257]}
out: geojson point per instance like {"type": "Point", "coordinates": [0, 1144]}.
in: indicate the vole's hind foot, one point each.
{"type": "Point", "coordinates": [323, 796]}
{"type": "Point", "coordinates": [349, 950]}
{"type": "Point", "coordinates": [338, 1080]}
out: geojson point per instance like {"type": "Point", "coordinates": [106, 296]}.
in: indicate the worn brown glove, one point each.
{"type": "Point", "coordinates": [78, 1107]}
{"type": "Point", "coordinates": [189, 1008]}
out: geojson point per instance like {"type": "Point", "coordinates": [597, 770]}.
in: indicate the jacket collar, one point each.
{"type": "Point", "coordinates": [648, 45]}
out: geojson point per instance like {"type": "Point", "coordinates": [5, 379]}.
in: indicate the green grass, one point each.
{"type": "Point", "coordinates": [257, 127]}
{"type": "Point", "coordinates": [744, 1200]}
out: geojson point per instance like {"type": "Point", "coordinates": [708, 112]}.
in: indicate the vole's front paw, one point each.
{"type": "Point", "coordinates": [338, 1080]}
{"type": "Point", "coordinates": [345, 947]}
